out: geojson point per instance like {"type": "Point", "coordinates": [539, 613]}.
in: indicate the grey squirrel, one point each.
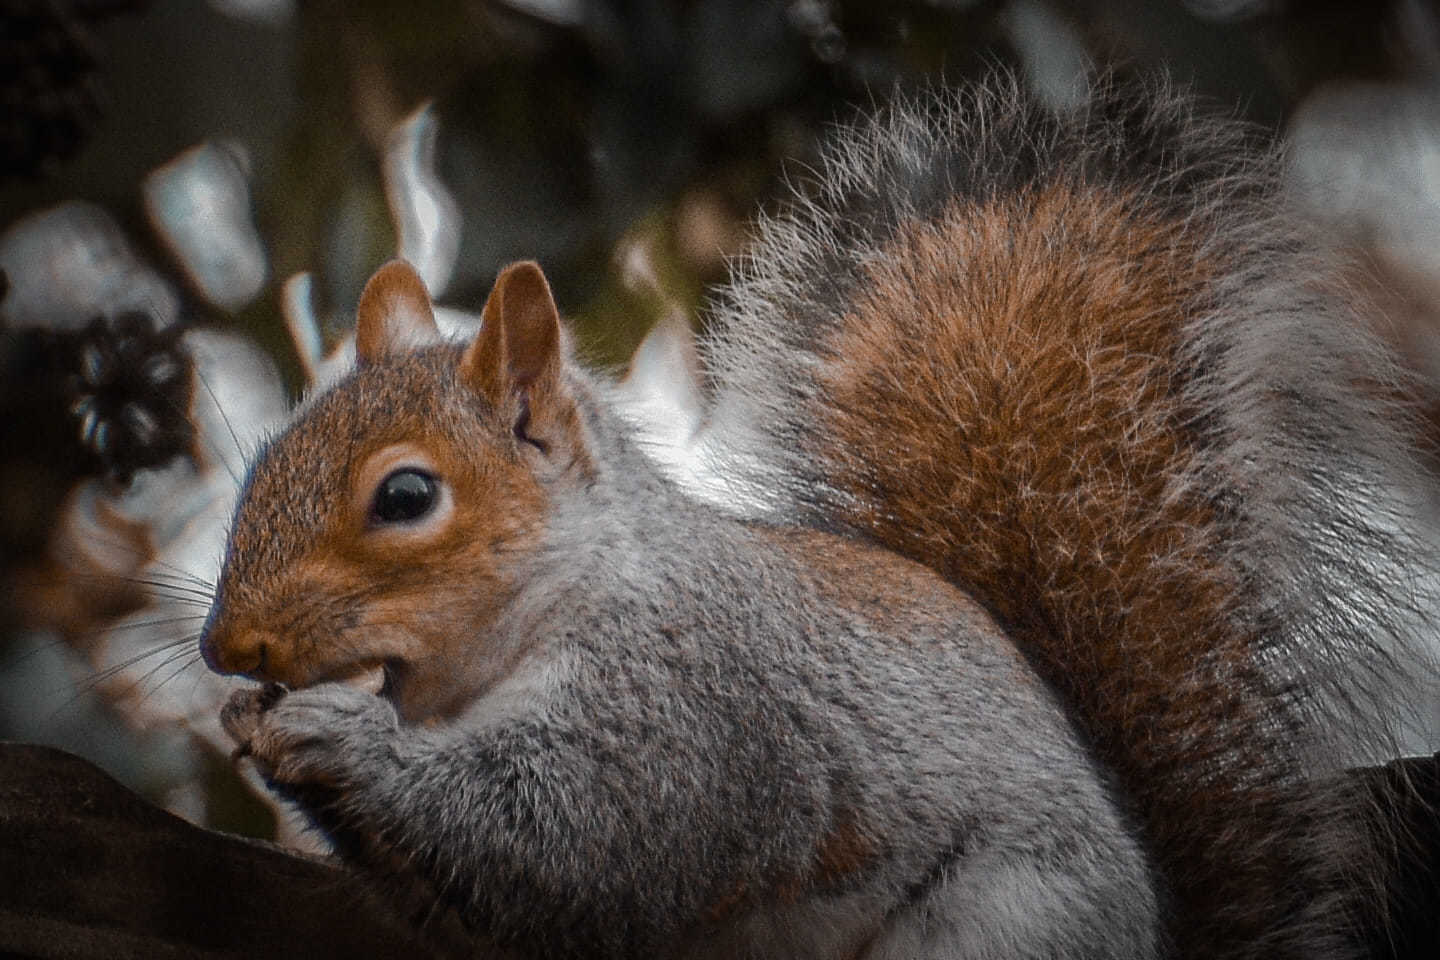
{"type": "Point", "coordinates": [1067, 569]}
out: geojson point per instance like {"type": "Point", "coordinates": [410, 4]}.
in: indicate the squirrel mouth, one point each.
{"type": "Point", "coordinates": [378, 677]}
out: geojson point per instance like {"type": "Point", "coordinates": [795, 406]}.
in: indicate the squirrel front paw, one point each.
{"type": "Point", "coordinates": [319, 736]}
{"type": "Point", "coordinates": [241, 713]}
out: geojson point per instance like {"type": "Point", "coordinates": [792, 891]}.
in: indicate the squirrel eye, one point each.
{"type": "Point", "coordinates": [403, 496]}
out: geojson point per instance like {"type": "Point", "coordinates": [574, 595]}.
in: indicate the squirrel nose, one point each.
{"type": "Point", "coordinates": [236, 651]}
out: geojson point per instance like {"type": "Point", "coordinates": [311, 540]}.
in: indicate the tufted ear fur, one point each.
{"type": "Point", "coordinates": [395, 315]}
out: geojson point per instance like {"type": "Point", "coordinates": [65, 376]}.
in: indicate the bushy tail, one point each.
{"type": "Point", "coordinates": [1081, 366]}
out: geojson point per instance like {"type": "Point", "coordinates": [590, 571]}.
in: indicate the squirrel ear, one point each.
{"type": "Point", "coordinates": [518, 346]}
{"type": "Point", "coordinates": [394, 315]}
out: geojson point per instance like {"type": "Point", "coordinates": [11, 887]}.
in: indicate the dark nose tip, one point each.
{"type": "Point", "coordinates": [228, 650]}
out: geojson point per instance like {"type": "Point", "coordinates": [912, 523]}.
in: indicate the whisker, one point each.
{"type": "Point", "coordinates": [101, 536]}
{"type": "Point", "coordinates": [198, 677]}
{"type": "Point", "coordinates": [138, 684]}
{"type": "Point", "coordinates": [167, 647]}
{"type": "Point", "coordinates": [162, 622]}
{"type": "Point", "coordinates": [176, 590]}
{"type": "Point", "coordinates": [188, 661]}
{"type": "Point", "coordinates": [225, 418]}
{"type": "Point", "coordinates": [18, 658]}
{"type": "Point", "coordinates": [186, 576]}
{"type": "Point", "coordinates": [89, 686]}
{"type": "Point", "coordinates": [95, 533]}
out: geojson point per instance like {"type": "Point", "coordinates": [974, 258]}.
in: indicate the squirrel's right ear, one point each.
{"type": "Point", "coordinates": [518, 348]}
{"type": "Point", "coordinates": [395, 315]}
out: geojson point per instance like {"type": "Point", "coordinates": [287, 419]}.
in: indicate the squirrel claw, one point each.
{"type": "Point", "coordinates": [270, 695]}
{"type": "Point", "coordinates": [241, 714]}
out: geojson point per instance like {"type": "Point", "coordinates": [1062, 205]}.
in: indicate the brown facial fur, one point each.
{"type": "Point", "coordinates": [315, 589]}
{"type": "Point", "coordinates": [327, 594]}
{"type": "Point", "coordinates": [1043, 352]}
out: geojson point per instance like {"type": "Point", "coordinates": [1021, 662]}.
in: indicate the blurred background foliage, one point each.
{"type": "Point", "coordinates": [222, 147]}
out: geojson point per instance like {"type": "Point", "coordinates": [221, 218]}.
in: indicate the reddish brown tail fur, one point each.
{"type": "Point", "coordinates": [1026, 349]}
{"type": "Point", "coordinates": [1082, 366]}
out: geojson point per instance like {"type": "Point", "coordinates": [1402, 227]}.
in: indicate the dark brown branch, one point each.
{"type": "Point", "coordinates": [89, 869]}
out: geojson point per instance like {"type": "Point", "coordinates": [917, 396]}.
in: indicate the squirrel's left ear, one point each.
{"type": "Point", "coordinates": [517, 353]}
{"type": "Point", "coordinates": [394, 315]}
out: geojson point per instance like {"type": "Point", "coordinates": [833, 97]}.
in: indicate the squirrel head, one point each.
{"type": "Point", "coordinates": [381, 536]}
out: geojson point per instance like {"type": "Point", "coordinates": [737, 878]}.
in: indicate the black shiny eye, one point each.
{"type": "Point", "coordinates": [403, 496]}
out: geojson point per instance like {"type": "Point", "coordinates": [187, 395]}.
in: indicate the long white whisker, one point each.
{"type": "Point", "coordinates": [162, 622]}
{"type": "Point", "coordinates": [225, 418]}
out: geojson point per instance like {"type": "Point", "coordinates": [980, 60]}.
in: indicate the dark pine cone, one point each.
{"type": "Point", "coordinates": [128, 392]}
{"type": "Point", "coordinates": [103, 401]}
{"type": "Point", "coordinates": [49, 80]}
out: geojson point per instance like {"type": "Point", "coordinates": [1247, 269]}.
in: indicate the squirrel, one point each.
{"type": "Point", "coordinates": [1069, 565]}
